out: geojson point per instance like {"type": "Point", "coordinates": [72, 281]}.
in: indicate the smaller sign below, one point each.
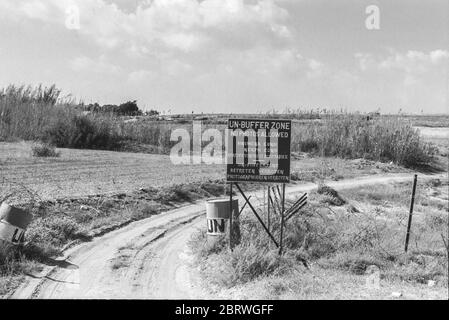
{"type": "Point", "coordinates": [216, 227]}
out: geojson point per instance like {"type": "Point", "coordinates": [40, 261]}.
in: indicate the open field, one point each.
{"type": "Point", "coordinates": [79, 173]}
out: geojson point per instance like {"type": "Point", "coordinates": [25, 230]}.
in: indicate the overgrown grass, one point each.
{"type": "Point", "coordinates": [82, 132]}
{"type": "Point", "coordinates": [352, 136]}
{"type": "Point", "coordinates": [329, 236]}
{"type": "Point", "coordinates": [39, 113]}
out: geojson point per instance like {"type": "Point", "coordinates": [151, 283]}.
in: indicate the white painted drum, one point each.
{"type": "Point", "coordinates": [218, 213]}
{"type": "Point", "coordinates": [13, 223]}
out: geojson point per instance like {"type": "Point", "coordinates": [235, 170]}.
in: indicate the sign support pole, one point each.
{"type": "Point", "coordinates": [268, 208]}
{"type": "Point", "coordinates": [282, 220]}
{"type": "Point", "coordinates": [257, 216]}
{"type": "Point", "coordinates": [230, 216]}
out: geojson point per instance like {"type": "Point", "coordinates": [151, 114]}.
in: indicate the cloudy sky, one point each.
{"type": "Point", "coordinates": [233, 55]}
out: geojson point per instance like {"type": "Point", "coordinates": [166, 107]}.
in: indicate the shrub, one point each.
{"type": "Point", "coordinates": [351, 136]}
{"type": "Point", "coordinates": [82, 132]}
{"type": "Point", "coordinates": [331, 196]}
{"type": "Point", "coordinates": [44, 150]}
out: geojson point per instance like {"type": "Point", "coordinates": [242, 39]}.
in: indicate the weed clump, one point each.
{"type": "Point", "coordinates": [331, 195]}
{"type": "Point", "coordinates": [44, 150]}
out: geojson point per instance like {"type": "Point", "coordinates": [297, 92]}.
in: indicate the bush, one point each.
{"type": "Point", "coordinates": [330, 196]}
{"type": "Point", "coordinates": [352, 136]}
{"type": "Point", "coordinates": [44, 150]}
{"type": "Point", "coordinates": [129, 108]}
{"type": "Point", "coordinates": [82, 132]}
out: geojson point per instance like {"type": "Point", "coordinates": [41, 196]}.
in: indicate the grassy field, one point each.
{"type": "Point", "coordinates": [78, 173]}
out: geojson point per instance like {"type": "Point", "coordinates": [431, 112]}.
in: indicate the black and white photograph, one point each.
{"type": "Point", "coordinates": [221, 157]}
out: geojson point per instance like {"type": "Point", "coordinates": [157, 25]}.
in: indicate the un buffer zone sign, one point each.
{"type": "Point", "coordinates": [258, 150]}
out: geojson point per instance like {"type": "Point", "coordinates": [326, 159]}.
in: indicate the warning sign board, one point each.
{"type": "Point", "coordinates": [258, 150]}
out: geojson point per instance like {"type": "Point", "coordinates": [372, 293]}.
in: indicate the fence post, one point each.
{"type": "Point", "coordinates": [411, 213]}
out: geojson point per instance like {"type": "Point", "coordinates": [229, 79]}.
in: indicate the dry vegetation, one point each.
{"type": "Point", "coordinates": [339, 235]}
{"type": "Point", "coordinates": [39, 114]}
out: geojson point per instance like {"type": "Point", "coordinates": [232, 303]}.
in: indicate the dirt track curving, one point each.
{"type": "Point", "coordinates": [146, 259]}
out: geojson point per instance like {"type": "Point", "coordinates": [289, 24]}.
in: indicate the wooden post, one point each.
{"type": "Point", "coordinates": [230, 216]}
{"type": "Point", "coordinates": [282, 220]}
{"type": "Point", "coordinates": [411, 213]}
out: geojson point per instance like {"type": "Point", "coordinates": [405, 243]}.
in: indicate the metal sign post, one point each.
{"type": "Point", "coordinates": [230, 217]}
{"type": "Point", "coordinates": [282, 220]}
{"type": "Point", "coordinates": [268, 208]}
{"type": "Point", "coordinates": [257, 216]}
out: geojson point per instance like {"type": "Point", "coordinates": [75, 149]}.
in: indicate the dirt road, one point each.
{"type": "Point", "coordinates": [148, 258]}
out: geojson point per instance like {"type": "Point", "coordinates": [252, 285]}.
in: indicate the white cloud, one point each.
{"type": "Point", "coordinates": [100, 65]}
{"type": "Point", "coordinates": [137, 77]}
{"type": "Point", "coordinates": [438, 56]}
{"type": "Point", "coordinates": [411, 61]}
{"type": "Point", "coordinates": [414, 79]}
{"type": "Point", "coordinates": [182, 24]}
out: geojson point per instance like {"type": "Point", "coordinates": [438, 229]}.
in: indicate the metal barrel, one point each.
{"type": "Point", "coordinates": [13, 223]}
{"type": "Point", "coordinates": [218, 213]}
